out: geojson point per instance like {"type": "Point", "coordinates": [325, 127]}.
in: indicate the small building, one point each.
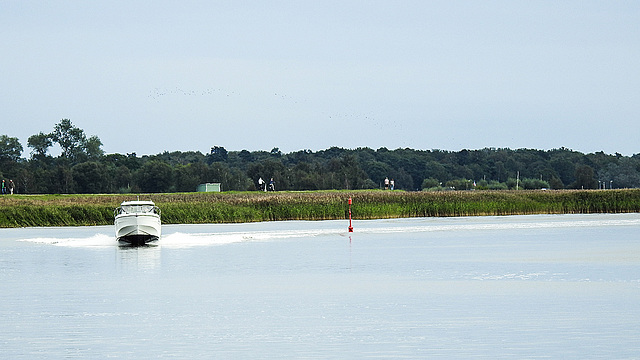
{"type": "Point", "coordinates": [209, 187]}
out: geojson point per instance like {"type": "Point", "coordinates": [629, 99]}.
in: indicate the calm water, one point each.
{"type": "Point", "coordinates": [554, 287]}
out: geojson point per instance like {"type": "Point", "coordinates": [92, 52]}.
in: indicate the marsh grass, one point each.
{"type": "Point", "coordinates": [229, 207]}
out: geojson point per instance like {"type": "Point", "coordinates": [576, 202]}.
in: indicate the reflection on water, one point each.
{"type": "Point", "coordinates": [145, 257]}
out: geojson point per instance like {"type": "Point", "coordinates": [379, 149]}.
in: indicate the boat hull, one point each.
{"type": "Point", "coordinates": [137, 229]}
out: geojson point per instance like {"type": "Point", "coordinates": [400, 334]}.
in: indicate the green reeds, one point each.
{"type": "Point", "coordinates": [193, 208]}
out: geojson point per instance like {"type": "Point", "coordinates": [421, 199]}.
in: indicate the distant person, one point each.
{"type": "Point", "coordinates": [393, 184]}
{"type": "Point", "coordinates": [11, 186]}
{"type": "Point", "coordinates": [262, 184]}
{"type": "Point", "coordinates": [4, 187]}
{"type": "Point", "coordinates": [272, 185]}
{"type": "Point", "coordinates": [386, 183]}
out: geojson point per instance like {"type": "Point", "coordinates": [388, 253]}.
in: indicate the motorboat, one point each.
{"type": "Point", "coordinates": [137, 222]}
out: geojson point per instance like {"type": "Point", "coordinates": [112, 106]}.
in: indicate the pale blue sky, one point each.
{"type": "Point", "coordinates": [150, 76]}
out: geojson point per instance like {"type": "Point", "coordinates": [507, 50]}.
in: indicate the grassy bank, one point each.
{"type": "Point", "coordinates": [193, 208]}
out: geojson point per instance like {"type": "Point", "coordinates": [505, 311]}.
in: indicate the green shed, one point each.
{"type": "Point", "coordinates": [209, 187]}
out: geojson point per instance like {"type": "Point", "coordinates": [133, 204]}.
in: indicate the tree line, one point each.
{"type": "Point", "coordinates": [83, 167]}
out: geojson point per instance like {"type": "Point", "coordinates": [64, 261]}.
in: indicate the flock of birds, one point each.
{"type": "Point", "coordinates": [157, 94]}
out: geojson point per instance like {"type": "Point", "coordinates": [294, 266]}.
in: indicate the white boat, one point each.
{"type": "Point", "coordinates": [137, 222]}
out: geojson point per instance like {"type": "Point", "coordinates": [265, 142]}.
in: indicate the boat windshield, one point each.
{"type": "Point", "coordinates": [133, 209]}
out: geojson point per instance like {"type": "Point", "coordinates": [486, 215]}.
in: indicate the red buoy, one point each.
{"type": "Point", "coordinates": [350, 227]}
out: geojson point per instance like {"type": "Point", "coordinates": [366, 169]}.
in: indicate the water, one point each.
{"type": "Point", "coordinates": [562, 286]}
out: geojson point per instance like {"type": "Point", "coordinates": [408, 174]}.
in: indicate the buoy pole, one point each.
{"type": "Point", "coordinates": [350, 227]}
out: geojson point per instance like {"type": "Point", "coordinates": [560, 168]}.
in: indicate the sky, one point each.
{"type": "Point", "coordinates": [154, 76]}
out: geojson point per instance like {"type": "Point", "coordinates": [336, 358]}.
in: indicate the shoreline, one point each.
{"type": "Point", "coordinates": [242, 207]}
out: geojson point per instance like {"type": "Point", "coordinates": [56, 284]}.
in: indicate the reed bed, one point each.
{"type": "Point", "coordinates": [194, 208]}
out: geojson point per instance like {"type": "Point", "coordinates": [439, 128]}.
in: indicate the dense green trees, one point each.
{"type": "Point", "coordinates": [10, 149]}
{"type": "Point", "coordinates": [82, 167]}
